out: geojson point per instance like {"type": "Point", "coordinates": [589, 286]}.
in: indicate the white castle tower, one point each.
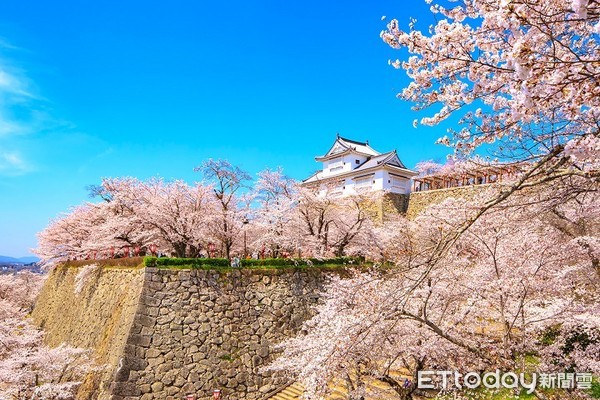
{"type": "Point", "coordinates": [351, 167]}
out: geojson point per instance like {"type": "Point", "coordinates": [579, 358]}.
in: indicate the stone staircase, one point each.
{"type": "Point", "coordinates": [292, 392]}
{"type": "Point", "coordinates": [296, 390]}
{"type": "Point", "coordinates": [376, 390]}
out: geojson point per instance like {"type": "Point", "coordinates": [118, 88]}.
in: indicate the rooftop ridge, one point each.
{"type": "Point", "coordinates": [353, 141]}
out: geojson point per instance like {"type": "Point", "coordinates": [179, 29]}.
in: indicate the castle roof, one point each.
{"type": "Point", "coordinates": [374, 161]}
{"type": "Point", "coordinates": [389, 158]}
{"type": "Point", "coordinates": [343, 146]}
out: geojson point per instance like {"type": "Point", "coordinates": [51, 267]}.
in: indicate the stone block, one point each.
{"type": "Point", "coordinates": [157, 387]}
{"type": "Point", "coordinates": [140, 340]}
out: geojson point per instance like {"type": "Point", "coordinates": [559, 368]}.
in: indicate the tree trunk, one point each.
{"type": "Point", "coordinates": [228, 244]}
{"type": "Point", "coordinates": [179, 249]}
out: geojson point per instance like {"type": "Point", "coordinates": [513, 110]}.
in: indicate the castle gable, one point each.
{"type": "Point", "coordinates": [348, 163]}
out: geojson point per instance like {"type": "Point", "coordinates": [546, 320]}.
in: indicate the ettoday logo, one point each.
{"type": "Point", "coordinates": [455, 380]}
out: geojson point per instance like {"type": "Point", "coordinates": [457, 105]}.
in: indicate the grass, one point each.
{"type": "Point", "coordinates": [223, 265]}
{"type": "Point", "coordinates": [594, 392]}
{"type": "Point", "coordinates": [264, 264]}
{"type": "Point", "coordinates": [489, 394]}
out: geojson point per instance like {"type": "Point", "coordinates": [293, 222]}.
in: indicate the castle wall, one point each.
{"type": "Point", "coordinates": [419, 201]}
{"type": "Point", "coordinates": [98, 318]}
{"type": "Point", "coordinates": [166, 333]}
{"type": "Point", "coordinates": [394, 203]}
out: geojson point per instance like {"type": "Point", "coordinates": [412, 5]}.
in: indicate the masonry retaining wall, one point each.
{"type": "Point", "coordinates": [166, 333]}
{"type": "Point", "coordinates": [98, 318]}
{"type": "Point", "coordinates": [419, 201]}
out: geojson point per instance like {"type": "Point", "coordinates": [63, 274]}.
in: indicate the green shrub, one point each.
{"type": "Point", "coordinates": [185, 262]}
{"type": "Point", "coordinates": [595, 390]}
{"type": "Point", "coordinates": [271, 262]}
{"type": "Point", "coordinates": [165, 262]}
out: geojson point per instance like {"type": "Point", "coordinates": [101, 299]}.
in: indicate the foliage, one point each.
{"type": "Point", "coordinates": [275, 217]}
{"type": "Point", "coordinates": [28, 368]}
{"type": "Point", "coordinates": [520, 72]}
{"type": "Point", "coordinates": [522, 76]}
{"type": "Point", "coordinates": [134, 215]}
{"type": "Point", "coordinates": [480, 304]}
{"type": "Point", "coordinates": [164, 262]}
{"type": "Point", "coordinates": [248, 263]}
{"type": "Point", "coordinates": [226, 181]}
{"type": "Point", "coordinates": [301, 262]}
{"type": "Point", "coordinates": [175, 219]}
{"type": "Point", "coordinates": [595, 391]}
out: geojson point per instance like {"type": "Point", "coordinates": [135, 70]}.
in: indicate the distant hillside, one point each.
{"type": "Point", "coordinates": [20, 260]}
{"type": "Point", "coordinates": [29, 259]}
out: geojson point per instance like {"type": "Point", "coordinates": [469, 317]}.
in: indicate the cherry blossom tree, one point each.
{"type": "Point", "coordinates": [69, 236]}
{"type": "Point", "coordinates": [227, 181]}
{"type": "Point", "coordinates": [29, 369]}
{"type": "Point", "coordinates": [181, 220]}
{"type": "Point", "coordinates": [457, 166]}
{"type": "Point", "coordinates": [135, 214]}
{"type": "Point", "coordinates": [390, 241]}
{"type": "Point", "coordinates": [515, 277]}
{"type": "Point", "coordinates": [522, 75]}
{"type": "Point", "coordinates": [330, 225]}
{"type": "Point", "coordinates": [172, 215]}
{"type": "Point", "coordinates": [274, 225]}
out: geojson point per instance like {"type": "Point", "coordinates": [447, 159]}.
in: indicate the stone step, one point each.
{"type": "Point", "coordinates": [292, 392]}
{"type": "Point", "coordinates": [338, 390]}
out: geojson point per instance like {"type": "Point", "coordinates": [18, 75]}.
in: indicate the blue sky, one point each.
{"type": "Point", "coordinates": [95, 89]}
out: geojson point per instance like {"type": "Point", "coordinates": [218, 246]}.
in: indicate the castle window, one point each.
{"type": "Point", "coordinates": [362, 183]}
{"type": "Point", "coordinates": [336, 164]}
{"type": "Point", "coordinates": [397, 182]}
{"type": "Point", "coordinates": [357, 161]}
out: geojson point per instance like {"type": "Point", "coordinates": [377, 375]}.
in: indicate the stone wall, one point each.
{"type": "Point", "coordinates": [387, 206]}
{"type": "Point", "coordinates": [419, 201]}
{"type": "Point", "coordinates": [98, 318]}
{"type": "Point", "coordinates": [177, 332]}
{"type": "Point", "coordinates": [394, 203]}
{"type": "Point", "coordinates": [166, 333]}
{"type": "Point", "coordinates": [198, 330]}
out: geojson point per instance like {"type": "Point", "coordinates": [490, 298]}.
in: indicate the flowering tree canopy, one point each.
{"type": "Point", "coordinates": [29, 369]}
{"type": "Point", "coordinates": [135, 214]}
{"type": "Point", "coordinates": [274, 225]}
{"type": "Point", "coordinates": [523, 76]}
{"type": "Point", "coordinates": [521, 281]}
{"type": "Point", "coordinates": [277, 218]}
{"type": "Point", "coordinates": [226, 180]}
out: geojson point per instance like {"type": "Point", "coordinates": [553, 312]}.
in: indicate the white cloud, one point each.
{"type": "Point", "coordinates": [19, 108]}
{"type": "Point", "coordinates": [21, 113]}
{"type": "Point", "coordinates": [12, 163]}
{"type": "Point", "coordinates": [11, 85]}
{"type": "Point", "coordinates": [5, 44]}
{"type": "Point", "coordinates": [8, 127]}
{"type": "Point", "coordinates": [27, 120]}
